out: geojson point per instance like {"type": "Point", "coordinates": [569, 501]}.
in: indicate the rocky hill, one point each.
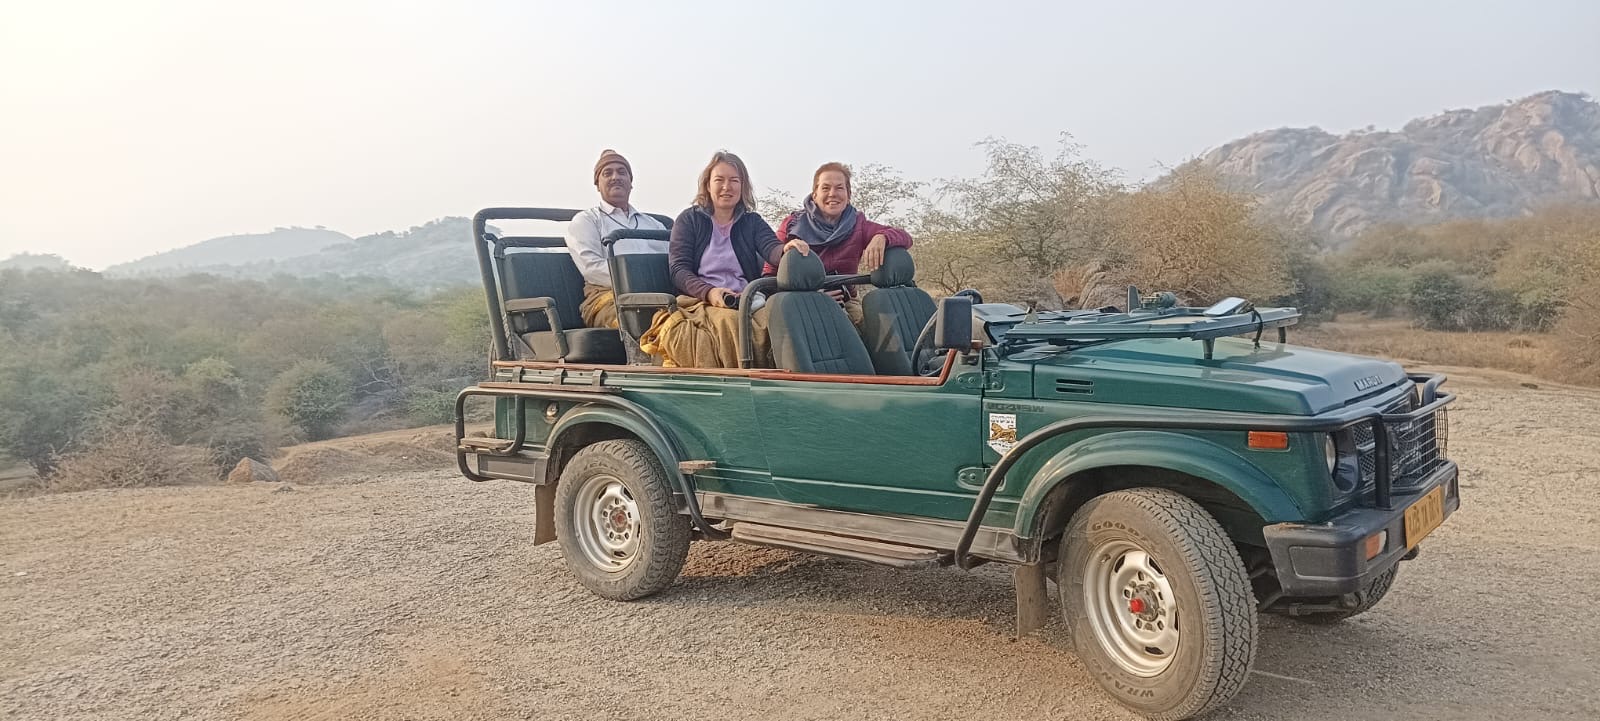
{"type": "Point", "coordinates": [1495, 161]}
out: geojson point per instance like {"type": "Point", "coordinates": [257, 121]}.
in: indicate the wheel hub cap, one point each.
{"type": "Point", "coordinates": [606, 519]}
{"type": "Point", "coordinates": [1132, 610]}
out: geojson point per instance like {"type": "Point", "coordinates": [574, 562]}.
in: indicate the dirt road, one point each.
{"type": "Point", "coordinates": [418, 595]}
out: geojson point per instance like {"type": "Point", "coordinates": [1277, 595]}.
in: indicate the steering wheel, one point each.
{"type": "Point", "coordinates": [925, 361]}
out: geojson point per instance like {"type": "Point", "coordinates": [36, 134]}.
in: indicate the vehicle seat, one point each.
{"type": "Point", "coordinates": [893, 315]}
{"type": "Point", "coordinates": [810, 332]}
{"type": "Point", "coordinates": [643, 285]}
{"type": "Point", "coordinates": [531, 276]}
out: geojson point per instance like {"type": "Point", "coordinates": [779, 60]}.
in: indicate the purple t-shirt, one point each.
{"type": "Point", "coordinates": [718, 264]}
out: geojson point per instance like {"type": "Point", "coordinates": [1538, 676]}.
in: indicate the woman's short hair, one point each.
{"type": "Point", "coordinates": [840, 168]}
{"type": "Point", "coordinates": [702, 195]}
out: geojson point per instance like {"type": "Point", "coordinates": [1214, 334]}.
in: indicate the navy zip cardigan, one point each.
{"type": "Point", "coordinates": [754, 244]}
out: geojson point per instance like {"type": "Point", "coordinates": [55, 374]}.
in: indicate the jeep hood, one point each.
{"type": "Point", "coordinates": [1274, 378]}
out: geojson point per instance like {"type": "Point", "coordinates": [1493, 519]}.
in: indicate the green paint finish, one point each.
{"type": "Point", "coordinates": [1173, 373]}
{"type": "Point", "coordinates": [1216, 457]}
{"type": "Point", "coordinates": [867, 448]}
{"type": "Point", "coordinates": [900, 450]}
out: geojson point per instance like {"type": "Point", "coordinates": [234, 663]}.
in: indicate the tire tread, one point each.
{"type": "Point", "coordinates": [663, 556]}
{"type": "Point", "coordinates": [1233, 619]}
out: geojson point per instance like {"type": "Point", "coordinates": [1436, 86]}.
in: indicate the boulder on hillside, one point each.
{"type": "Point", "coordinates": [251, 470]}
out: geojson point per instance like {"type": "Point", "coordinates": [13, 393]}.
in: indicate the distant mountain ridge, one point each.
{"type": "Point", "coordinates": [433, 255]}
{"type": "Point", "coordinates": [233, 250]}
{"type": "Point", "coordinates": [35, 261]}
{"type": "Point", "coordinates": [1494, 161]}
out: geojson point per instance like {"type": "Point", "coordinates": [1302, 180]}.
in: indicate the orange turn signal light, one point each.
{"type": "Point", "coordinates": [1375, 543]}
{"type": "Point", "coordinates": [1268, 440]}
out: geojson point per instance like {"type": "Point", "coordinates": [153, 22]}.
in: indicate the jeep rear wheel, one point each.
{"type": "Point", "coordinates": [1158, 602]}
{"type": "Point", "coordinates": [620, 532]}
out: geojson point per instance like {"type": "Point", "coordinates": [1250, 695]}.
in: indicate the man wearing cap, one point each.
{"type": "Point", "coordinates": [613, 177]}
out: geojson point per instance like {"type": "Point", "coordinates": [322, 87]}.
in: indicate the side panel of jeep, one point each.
{"type": "Point", "coordinates": [834, 445]}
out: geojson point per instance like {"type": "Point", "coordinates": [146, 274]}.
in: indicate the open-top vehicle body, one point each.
{"type": "Point", "coordinates": [1169, 469]}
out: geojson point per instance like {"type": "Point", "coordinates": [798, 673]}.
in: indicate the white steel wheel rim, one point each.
{"type": "Point", "coordinates": [606, 518]}
{"type": "Point", "coordinates": [1131, 608]}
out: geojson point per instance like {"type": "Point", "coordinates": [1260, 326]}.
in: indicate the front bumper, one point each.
{"type": "Point", "coordinates": [1329, 559]}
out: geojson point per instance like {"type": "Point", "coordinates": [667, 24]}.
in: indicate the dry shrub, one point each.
{"type": "Point", "coordinates": [1088, 285]}
{"type": "Point", "coordinates": [1191, 235]}
{"type": "Point", "coordinates": [1399, 340]}
{"type": "Point", "coordinates": [1577, 336]}
{"type": "Point", "coordinates": [130, 455]}
{"type": "Point", "coordinates": [1577, 359]}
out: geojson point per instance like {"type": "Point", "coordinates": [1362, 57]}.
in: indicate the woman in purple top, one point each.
{"type": "Point", "coordinates": [718, 245]}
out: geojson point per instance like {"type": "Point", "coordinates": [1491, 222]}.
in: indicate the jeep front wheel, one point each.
{"type": "Point", "coordinates": [619, 530]}
{"type": "Point", "coordinates": [1158, 602]}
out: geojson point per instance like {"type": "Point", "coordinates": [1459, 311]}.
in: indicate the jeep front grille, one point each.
{"type": "Point", "coordinates": [1415, 444]}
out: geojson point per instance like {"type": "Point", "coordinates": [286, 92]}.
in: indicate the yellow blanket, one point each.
{"type": "Point", "coordinates": [699, 335]}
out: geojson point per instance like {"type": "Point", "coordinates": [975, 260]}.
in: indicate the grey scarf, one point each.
{"type": "Point", "coordinates": [809, 225]}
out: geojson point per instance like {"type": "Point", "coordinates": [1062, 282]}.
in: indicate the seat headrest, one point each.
{"type": "Point", "coordinates": [897, 269]}
{"type": "Point", "coordinates": [801, 272]}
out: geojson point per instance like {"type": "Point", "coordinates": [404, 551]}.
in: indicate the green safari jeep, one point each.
{"type": "Point", "coordinates": [1168, 470]}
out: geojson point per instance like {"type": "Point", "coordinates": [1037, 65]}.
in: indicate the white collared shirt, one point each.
{"type": "Point", "coordinates": [588, 227]}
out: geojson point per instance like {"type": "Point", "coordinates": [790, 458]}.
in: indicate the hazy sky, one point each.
{"type": "Point", "coordinates": [128, 128]}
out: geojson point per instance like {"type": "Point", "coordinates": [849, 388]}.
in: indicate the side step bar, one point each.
{"type": "Point", "coordinates": [888, 554]}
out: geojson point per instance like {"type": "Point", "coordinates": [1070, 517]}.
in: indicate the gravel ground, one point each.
{"type": "Point", "coordinates": [419, 595]}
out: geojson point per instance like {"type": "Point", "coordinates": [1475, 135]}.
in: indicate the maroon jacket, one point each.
{"type": "Point", "coordinates": [845, 258]}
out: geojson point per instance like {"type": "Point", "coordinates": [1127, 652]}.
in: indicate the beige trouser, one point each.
{"type": "Point", "coordinates": [852, 308]}
{"type": "Point", "coordinates": [599, 307]}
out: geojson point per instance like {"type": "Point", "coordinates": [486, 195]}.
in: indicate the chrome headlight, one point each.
{"type": "Point", "coordinates": [1331, 450]}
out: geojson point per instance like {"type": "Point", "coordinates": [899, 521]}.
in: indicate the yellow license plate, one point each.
{"type": "Point", "coordinates": [1424, 516]}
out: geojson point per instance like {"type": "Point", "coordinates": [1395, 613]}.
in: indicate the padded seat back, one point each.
{"type": "Point", "coordinates": [537, 275]}
{"type": "Point", "coordinates": [642, 273]}
{"type": "Point", "coordinates": [810, 332]}
{"type": "Point", "coordinates": [643, 285]}
{"type": "Point", "coordinates": [555, 276]}
{"type": "Point", "coordinates": [893, 315]}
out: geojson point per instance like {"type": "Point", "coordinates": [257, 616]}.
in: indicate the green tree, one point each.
{"type": "Point", "coordinates": [311, 395]}
{"type": "Point", "coordinates": [1379, 289]}
{"type": "Point", "coordinates": [41, 414]}
{"type": "Point", "coordinates": [221, 415]}
{"type": "Point", "coordinates": [1438, 299]}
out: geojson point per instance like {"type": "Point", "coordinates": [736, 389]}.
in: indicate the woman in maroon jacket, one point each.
{"type": "Point", "coordinates": [846, 241]}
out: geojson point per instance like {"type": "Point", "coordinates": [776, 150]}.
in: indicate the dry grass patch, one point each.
{"type": "Point", "coordinates": [1532, 353]}
{"type": "Point", "coordinates": [130, 456]}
